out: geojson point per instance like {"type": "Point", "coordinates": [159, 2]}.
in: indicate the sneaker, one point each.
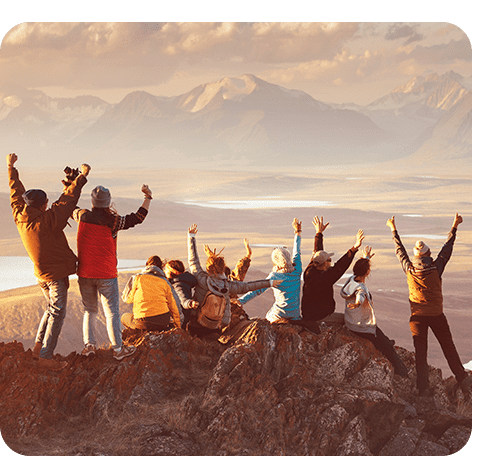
{"type": "Point", "coordinates": [89, 350]}
{"type": "Point", "coordinates": [52, 364]}
{"type": "Point", "coordinates": [123, 352]}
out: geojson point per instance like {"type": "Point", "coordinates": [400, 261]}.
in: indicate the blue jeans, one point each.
{"type": "Point", "coordinates": [108, 289]}
{"type": "Point", "coordinates": [55, 293]}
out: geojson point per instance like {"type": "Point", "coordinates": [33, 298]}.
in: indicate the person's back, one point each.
{"type": "Point", "coordinates": [42, 233]}
{"type": "Point", "coordinates": [97, 269]}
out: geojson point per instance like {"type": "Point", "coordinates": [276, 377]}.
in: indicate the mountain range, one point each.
{"type": "Point", "coordinates": [240, 122]}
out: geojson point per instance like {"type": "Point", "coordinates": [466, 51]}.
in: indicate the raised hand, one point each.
{"type": "Point", "coordinates": [319, 225]}
{"type": "Point", "coordinates": [146, 190]}
{"type": "Point", "coordinates": [11, 159]}
{"type": "Point", "coordinates": [359, 238]}
{"type": "Point", "coordinates": [367, 252]}
{"type": "Point", "coordinates": [247, 247]}
{"type": "Point", "coordinates": [297, 225]}
{"type": "Point", "coordinates": [457, 220]}
{"type": "Point", "coordinates": [391, 223]}
{"type": "Point", "coordinates": [85, 169]}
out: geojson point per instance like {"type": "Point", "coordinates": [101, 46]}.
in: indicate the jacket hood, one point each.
{"type": "Point", "coordinates": [350, 287]}
{"type": "Point", "coordinates": [218, 285]}
{"type": "Point", "coordinates": [154, 270]}
{"type": "Point", "coordinates": [422, 262]}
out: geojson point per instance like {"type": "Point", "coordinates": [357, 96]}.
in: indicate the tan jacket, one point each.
{"type": "Point", "coordinates": [42, 232]}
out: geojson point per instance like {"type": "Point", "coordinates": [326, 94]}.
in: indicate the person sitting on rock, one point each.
{"type": "Point", "coordinates": [424, 279]}
{"type": "Point", "coordinates": [359, 312]}
{"type": "Point", "coordinates": [154, 304]}
{"type": "Point", "coordinates": [183, 283]}
{"type": "Point", "coordinates": [287, 269]}
{"type": "Point", "coordinates": [213, 290]}
{"type": "Point", "coordinates": [320, 275]}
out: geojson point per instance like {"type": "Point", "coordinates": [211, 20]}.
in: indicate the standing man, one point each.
{"type": "Point", "coordinates": [424, 278]}
{"type": "Point", "coordinates": [42, 233]}
{"type": "Point", "coordinates": [320, 275]}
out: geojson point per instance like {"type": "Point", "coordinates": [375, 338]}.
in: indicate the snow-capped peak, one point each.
{"type": "Point", "coordinates": [231, 88]}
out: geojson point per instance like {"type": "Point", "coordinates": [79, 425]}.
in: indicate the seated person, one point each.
{"type": "Point", "coordinates": [154, 303]}
{"type": "Point", "coordinates": [287, 269]}
{"type": "Point", "coordinates": [183, 283]}
{"type": "Point", "coordinates": [359, 312]}
{"type": "Point", "coordinates": [213, 286]}
{"type": "Point", "coordinates": [320, 275]}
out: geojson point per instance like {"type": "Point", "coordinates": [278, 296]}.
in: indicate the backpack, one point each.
{"type": "Point", "coordinates": [211, 311]}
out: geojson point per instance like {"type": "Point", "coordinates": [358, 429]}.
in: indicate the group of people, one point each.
{"type": "Point", "coordinates": [206, 301]}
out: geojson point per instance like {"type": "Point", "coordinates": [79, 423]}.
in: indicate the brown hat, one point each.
{"type": "Point", "coordinates": [320, 257]}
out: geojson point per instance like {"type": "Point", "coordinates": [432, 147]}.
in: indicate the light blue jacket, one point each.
{"type": "Point", "coordinates": [287, 293]}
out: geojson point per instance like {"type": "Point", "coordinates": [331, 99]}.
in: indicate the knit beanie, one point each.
{"type": "Point", "coordinates": [420, 248]}
{"type": "Point", "coordinates": [320, 257]}
{"type": "Point", "coordinates": [100, 197]}
{"type": "Point", "coordinates": [35, 197]}
{"type": "Point", "coordinates": [282, 260]}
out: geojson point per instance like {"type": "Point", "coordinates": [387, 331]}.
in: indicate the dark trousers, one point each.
{"type": "Point", "coordinates": [382, 343]}
{"type": "Point", "coordinates": [419, 328]}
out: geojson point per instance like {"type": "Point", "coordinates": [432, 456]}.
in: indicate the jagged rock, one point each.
{"type": "Point", "coordinates": [276, 390]}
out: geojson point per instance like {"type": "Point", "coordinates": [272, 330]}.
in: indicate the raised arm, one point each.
{"type": "Point", "coordinates": [400, 250]}
{"type": "Point", "coordinates": [16, 187]}
{"type": "Point", "coordinates": [193, 259]}
{"type": "Point", "coordinates": [297, 259]}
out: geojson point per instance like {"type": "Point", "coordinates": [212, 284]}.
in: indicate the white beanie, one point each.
{"type": "Point", "coordinates": [420, 248]}
{"type": "Point", "coordinates": [100, 197]}
{"type": "Point", "coordinates": [282, 260]}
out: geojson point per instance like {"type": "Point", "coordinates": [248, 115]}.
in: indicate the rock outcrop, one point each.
{"type": "Point", "coordinates": [276, 389]}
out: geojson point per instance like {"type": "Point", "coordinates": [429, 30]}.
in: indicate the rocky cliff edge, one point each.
{"type": "Point", "coordinates": [275, 389]}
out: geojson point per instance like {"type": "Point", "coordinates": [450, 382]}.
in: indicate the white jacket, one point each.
{"type": "Point", "coordinates": [358, 318]}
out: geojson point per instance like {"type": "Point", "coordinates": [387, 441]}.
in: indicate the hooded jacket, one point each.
{"type": "Point", "coordinates": [424, 276]}
{"type": "Point", "coordinates": [151, 294]}
{"type": "Point", "coordinates": [42, 232]}
{"type": "Point", "coordinates": [358, 318]}
{"type": "Point", "coordinates": [217, 284]}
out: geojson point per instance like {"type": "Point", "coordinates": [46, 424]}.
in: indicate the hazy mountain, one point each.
{"type": "Point", "coordinates": [237, 122]}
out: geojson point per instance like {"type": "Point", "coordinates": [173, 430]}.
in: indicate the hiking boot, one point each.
{"type": "Point", "coordinates": [123, 352]}
{"type": "Point", "coordinates": [36, 350]}
{"type": "Point", "coordinates": [89, 349]}
{"type": "Point", "coordinates": [52, 364]}
{"type": "Point", "coordinates": [467, 385]}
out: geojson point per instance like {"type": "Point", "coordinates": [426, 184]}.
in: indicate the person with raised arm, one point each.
{"type": "Point", "coordinates": [287, 269]}
{"type": "Point", "coordinates": [320, 275]}
{"type": "Point", "coordinates": [42, 233]}
{"type": "Point", "coordinates": [360, 317]}
{"type": "Point", "coordinates": [424, 279]}
{"type": "Point", "coordinates": [213, 289]}
{"type": "Point", "coordinates": [97, 268]}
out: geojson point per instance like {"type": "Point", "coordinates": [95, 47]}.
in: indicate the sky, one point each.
{"type": "Point", "coordinates": [337, 62]}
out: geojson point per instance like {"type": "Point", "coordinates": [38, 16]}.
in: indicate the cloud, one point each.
{"type": "Point", "coordinates": [403, 31]}
{"type": "Point", "coordinates": [130, 54]}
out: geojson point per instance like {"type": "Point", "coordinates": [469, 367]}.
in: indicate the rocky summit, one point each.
{"type": "Point", "coordinates": [269, 389]}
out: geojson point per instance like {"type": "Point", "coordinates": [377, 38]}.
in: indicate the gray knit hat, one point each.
{"type": "Point", "coordinates": [100, 197]}
{"type": "Point", "coordinates": [320, 257]}
{"type": "Point", "coordinates": [34, 197]}
{"type": "Point", "coordinates": [420, 248]}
